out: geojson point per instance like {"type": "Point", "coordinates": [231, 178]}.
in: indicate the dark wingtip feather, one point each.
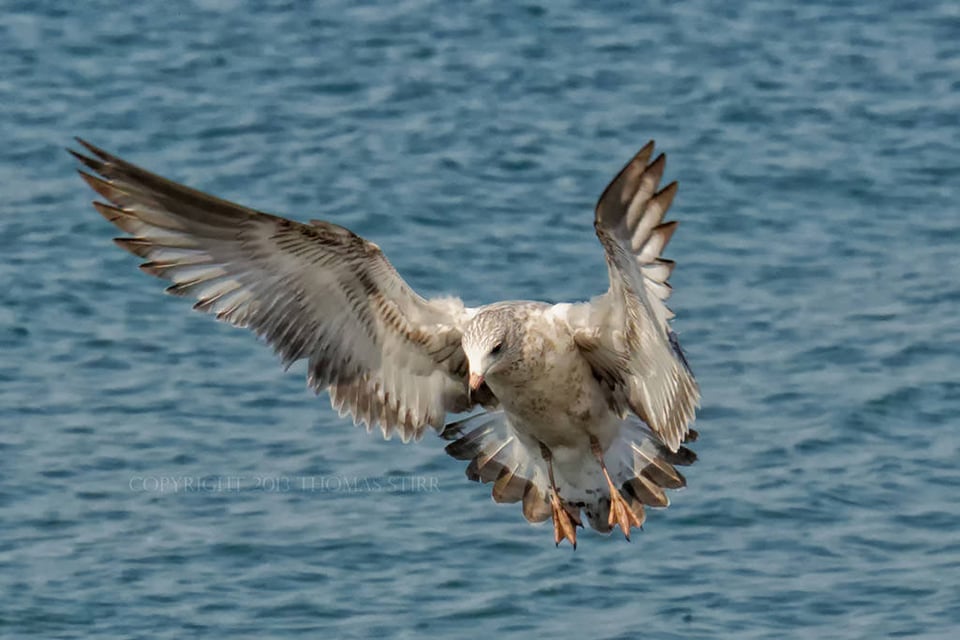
{"type": "Point", "coordinates": [607, 212]}
{"type": "Point", "coordinates": [92, 148]}
{"type": "Point", "coordinates": [90, 163]}
{"type": "Point", "coordinates": [98, 184]}
{"type": "Point", "coordinates": [667, 229]}
{"type": "Point", "coordinates": [158, 269]}
{"type": "Point", "coordinates": [658, 165]}
{"type": "Point", "coordinates": [665, 196]}
{"type": "Point", "coordinates": [85, 160]}
{"type": "Point", "coordinates": [137, 246]}
{"type": "Point", "coordinates": [117, 216]}
{"type": "Point", "coordinates": [642, 156]}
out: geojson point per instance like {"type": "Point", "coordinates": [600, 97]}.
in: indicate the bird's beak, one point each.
{"type": "Point", "coordinates": [476, 380]}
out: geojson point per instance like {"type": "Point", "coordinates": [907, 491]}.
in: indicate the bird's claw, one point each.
{"type": "Point", "coordinates": [564, 523]}
{"type": "Point", "coordinates": [621, 514]}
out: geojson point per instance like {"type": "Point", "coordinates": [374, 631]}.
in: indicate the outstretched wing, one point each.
{"type": "Point", "coordinates": [626, 336]}
{"type": "Point", "coordinates": [314, 291]}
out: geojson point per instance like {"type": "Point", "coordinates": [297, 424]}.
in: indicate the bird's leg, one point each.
{"type": "Point", "coordinates": [564, 523]}
{"type": "Point", "coordinates": [620, 512]}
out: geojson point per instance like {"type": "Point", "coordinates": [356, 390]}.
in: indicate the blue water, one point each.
{"type": "Point", "coordinates": [161, 477]}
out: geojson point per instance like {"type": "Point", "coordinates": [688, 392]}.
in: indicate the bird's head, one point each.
{"type": "Point", "coordinates": [491, 346]}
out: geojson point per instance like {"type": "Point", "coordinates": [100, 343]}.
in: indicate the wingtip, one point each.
{"type": "Point", "coordinates": [90, 163]}
{"type": "Point", "coordinates": [659, 163]}
{"type": "Point", "coordinates": [92, 148]}
{"type": "Point", "coordinates": [641, 158]}
{"type": "Point", "coordinates": [89, 178]}
{"type": "Point", "coordinates": [137, 246]}
{"type": "Point", "coordinates": [79, 156]}
{"type": "Point", "coordinates": [98, 184]}
{"type": "Point", "coordinates": [670, 189]}
{"type": "Point", "coordinates": [638, 166]}
{"type": "Point", "coordinates": [98, 158]}
{"type": "Point", "coordinates": [667, 229]}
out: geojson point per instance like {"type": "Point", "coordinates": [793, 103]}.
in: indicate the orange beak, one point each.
{"type": "Point", "coordinates": [476, 380]}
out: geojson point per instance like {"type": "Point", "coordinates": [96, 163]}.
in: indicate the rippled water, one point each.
{"type": "Point", "coordinates": [161, 476]}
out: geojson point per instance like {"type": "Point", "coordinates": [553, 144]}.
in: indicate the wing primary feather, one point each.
{"type": "Point", "coordinates": [316, 291]}
{"type": "Point", "coordinates": [630, 324]}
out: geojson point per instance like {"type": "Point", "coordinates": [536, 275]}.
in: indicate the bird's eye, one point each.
{"type": "Point", "coordinates": [496, 348]}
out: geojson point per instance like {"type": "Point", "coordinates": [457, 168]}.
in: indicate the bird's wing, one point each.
{"type": "Point", "coordinates": [625, 334]}
{"type": "Point", "coordinates": [315, 291]}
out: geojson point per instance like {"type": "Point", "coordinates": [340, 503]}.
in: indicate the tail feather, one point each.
{"type": "Point", "coordinates": [496, 455]}
{"type": "Point", "coordinates": [655, 464]}
{"type": "Point", "coordinates": [639, 462]}
{"type": "Point", "coordinates": [636, 506]}
{"type": "Point", "coordinates": [509, 486]}
{"type": "Point", "coordinates": [646, 491]}
{"type": "Point", "coordinates": [536, 507]}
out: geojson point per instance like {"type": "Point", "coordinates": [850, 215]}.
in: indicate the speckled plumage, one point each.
{"type": "Point", "coordinates": [582, 402]}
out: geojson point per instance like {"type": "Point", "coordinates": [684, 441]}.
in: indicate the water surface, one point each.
{"type": "Point", "coordinates": [162, 477]}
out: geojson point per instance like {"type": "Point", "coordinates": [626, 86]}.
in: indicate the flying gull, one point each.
{"type": "Point", "coordinates": [577, 409]}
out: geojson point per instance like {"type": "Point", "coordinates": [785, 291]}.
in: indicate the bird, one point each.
{"type": "Point", "coordinates": [574, 410]}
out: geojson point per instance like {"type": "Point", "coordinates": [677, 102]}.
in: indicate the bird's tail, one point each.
{"type": "Point", "coordinates": [640, 464]}
{"type": "Point", "coordinates": [642, 467]}
{"type": "Point", "coordinates": [497, 455]}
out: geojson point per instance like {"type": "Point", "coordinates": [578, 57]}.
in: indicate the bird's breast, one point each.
{"type": "Point", "coordinates": [554, 398]}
